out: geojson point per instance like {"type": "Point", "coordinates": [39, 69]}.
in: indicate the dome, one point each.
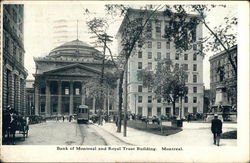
{"type": "Point", "coordinates": [75, 47]}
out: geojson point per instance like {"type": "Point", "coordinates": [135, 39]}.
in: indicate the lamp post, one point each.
{"type": "Point", "coordinates": [135, 104]}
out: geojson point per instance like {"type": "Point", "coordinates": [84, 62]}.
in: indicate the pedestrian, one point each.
{"type": "Point", "coordinates": [63, 118]}
{"type": "Point", "coordinates": [188, 117]}
{"type": "Point", "coordinates": [216, 129]}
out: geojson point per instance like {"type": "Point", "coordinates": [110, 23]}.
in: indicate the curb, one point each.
{"type": "Point", "coordinates": [114, 135]}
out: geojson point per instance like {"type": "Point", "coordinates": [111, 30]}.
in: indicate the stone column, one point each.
{"type": "Point", "coordinates": [94, 105]}
{"type": "Point", "coordinates": [18, 95]}
{"type": "Point", "coordinates": [59, 105]}
{"type": "Point", "coordinates": [37, 99]}
{"type": "Point", "coordinates": [83, 94]}
{"type": "Point", "coordinates": [47, 105]}
{"type": "Point", "coordinates": [71, 100]}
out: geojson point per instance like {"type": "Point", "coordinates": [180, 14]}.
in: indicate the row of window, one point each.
{"type": "Point", "coordinates": [140, 89]}
{"type": "Point", "coordinates": [65, 91]}
{"type": "Point", "coordinates": [158, 33]}
{"type": "Point", "coordinates": [185, 66]}
{"type": "Point", "coordinates": [140, 99]}
{"type": "Point", "coordinates": [159, 45]}
{"type": "Point", "coordinates": [167, 111]}
{"type": "Point", "coordinates": [159, 56]}
{"type": "Point", "coordinates": [150, 99]}
{"type": "Point", "coordinates": [13, 49]}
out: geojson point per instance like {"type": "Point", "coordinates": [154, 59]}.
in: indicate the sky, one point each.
{"type": "Point", "coordinates": [38, 18]}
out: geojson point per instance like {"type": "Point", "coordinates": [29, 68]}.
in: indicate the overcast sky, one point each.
{"type": "Point", "coordinates": [38, 31]}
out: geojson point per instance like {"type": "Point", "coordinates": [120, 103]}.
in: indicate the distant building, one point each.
{"type": "Point", "coordinates": [61, 76]}
{"type": "Point", "coordinates": [142, 100]}
{"type": "Point", "coordinates": [222, 74]}
{"type": "Point", "coordinates": [14, 73]}
{"type": "Point", "coordinates": [30, 97]}
{"type": "Point", "coordinates": [207, 100]}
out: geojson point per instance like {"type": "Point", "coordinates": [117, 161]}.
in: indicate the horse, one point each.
{"type": "Point", "coordinates": [9, 127]}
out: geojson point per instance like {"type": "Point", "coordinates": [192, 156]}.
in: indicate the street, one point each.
{"type": "Point", "coordinates": [67, 133]}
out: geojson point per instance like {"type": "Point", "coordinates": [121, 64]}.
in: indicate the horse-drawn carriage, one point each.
{"type": "Point", "coordinates": [14, 124]}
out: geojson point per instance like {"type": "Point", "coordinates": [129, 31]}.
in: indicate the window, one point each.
{"type": "Point", "coordinates": [194, 47]}
{"type": "Point", "coordinates": [185, 111]}
{"type": "Point", "coordinates": [139, 65]}
{"type": "Point", "coordinates": [177, 100]}
{"type": "Point", "coordinates": [149, 111]}
{"type": "Point", "coordinates": [139, 99]}
{"type": "Point", "coordinates": [194, 99]}
{"type": "Point", "coordinates": [149, 55]}
{"type": "Point", "coordinates": [185, 57]}
{"type": "Point", "coordinates": [42, 107]}
{"type": "Point", "coordinates": [167, 110]}
{"type": "Point", "coordinates": [158, 111]}
{"type": "Point", "coordinates": [158, 29]}
{"type": "Point", "coordinates": [194, 67]}
{"type": "Point", "coordinates": [194, 57]}
{"type": "Point", "coordinates": [194, 78]}
{"type": "Point", "coordinates": [168, 55]}
{"type": "Point", "coordinates": [139, 88]}
{"type": "Point", "coordinates": [186, 99]}
{"type": "Point", "coordinates": [185, 66]}
{"type": "Point", "coordinates": [140, 43]}
{"type": "Point", "coordinates": [158, 100]}
{"type": "Point", "coordinates": [194, 110]}
{"type": "Point", "coordinates": [176, 56]}
{"type": "Point", "coordinates": [139, 110]}
{"type": "Point", "coordinates": [186, 78]}
{"type": "Point", "coordinates": [195, 89]}
{"type": "Point", "coordinates": [66, 91]}
{"type": "Point", "coordinates": [149, 65]}
{"type": "Point", "coordinates": [177, 111]}
{"type": "Point", "coordinates": [158, 55]}
{"type": "Point", "coordinates": [168, 45]}
{"type": "Point", "coordinates": [149, 30]}
{"type": "Point", "coordinates": [77, 91]}
{"type": "Point", "coordinates": [158, 45]}
{"type": "Point", "coordinates": [149, 44]}
{"type": "Point", "coordinates": [140, 54]}
{"type": "Point", "coordinates": [149, 99]}
{"type": "Point", "coordinates": [177, 65]}
{"type": "Point", "coordinates": [139, 77]}
{"type": "Point", "coordinates": [149, 89]}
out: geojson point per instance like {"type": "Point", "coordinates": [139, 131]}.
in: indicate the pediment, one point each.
{"type": "Point", "coordinates": [74, 70]}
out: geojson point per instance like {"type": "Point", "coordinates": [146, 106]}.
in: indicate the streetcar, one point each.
{"type": "Point", "coordinates": [83, 114]}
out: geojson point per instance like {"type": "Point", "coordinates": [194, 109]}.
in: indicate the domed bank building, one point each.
{"type": "Point", "coordinates": [61, 76]}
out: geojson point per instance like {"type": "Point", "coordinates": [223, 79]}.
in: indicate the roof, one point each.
{"type": "Point", "coordinates": [73, 47]}
{"type": "Point", "coordinates": [223, 52]}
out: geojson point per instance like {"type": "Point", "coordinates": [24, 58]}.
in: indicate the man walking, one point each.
{"type": "Point", "coordinates": [216, 129]}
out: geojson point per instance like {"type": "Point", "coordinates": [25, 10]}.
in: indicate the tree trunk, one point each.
{"type": "Point", "coordinates": [125, 101]}
{"type": "Point", "coordinates": [120, 102]}
{"type": "Point", "coordinates": [173, 107]}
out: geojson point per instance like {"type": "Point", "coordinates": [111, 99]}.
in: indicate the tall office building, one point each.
{"type": "Point", "coordinates": [142, 100]}
{"type": "Point", "coordinates": [14, 73]}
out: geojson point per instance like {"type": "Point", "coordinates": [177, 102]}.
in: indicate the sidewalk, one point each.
{"type": "Point", "coordinates": [193, 134]}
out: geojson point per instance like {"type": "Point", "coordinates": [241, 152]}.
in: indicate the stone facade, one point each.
{"type": "Point", "coordinates": [30, 97]}
{"type": "Point", "coordinates": [141, 100]}
{"type": "Point", "coordinates": [14, 73]}
{"type": "Point", "coordinates": [61, 77]}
